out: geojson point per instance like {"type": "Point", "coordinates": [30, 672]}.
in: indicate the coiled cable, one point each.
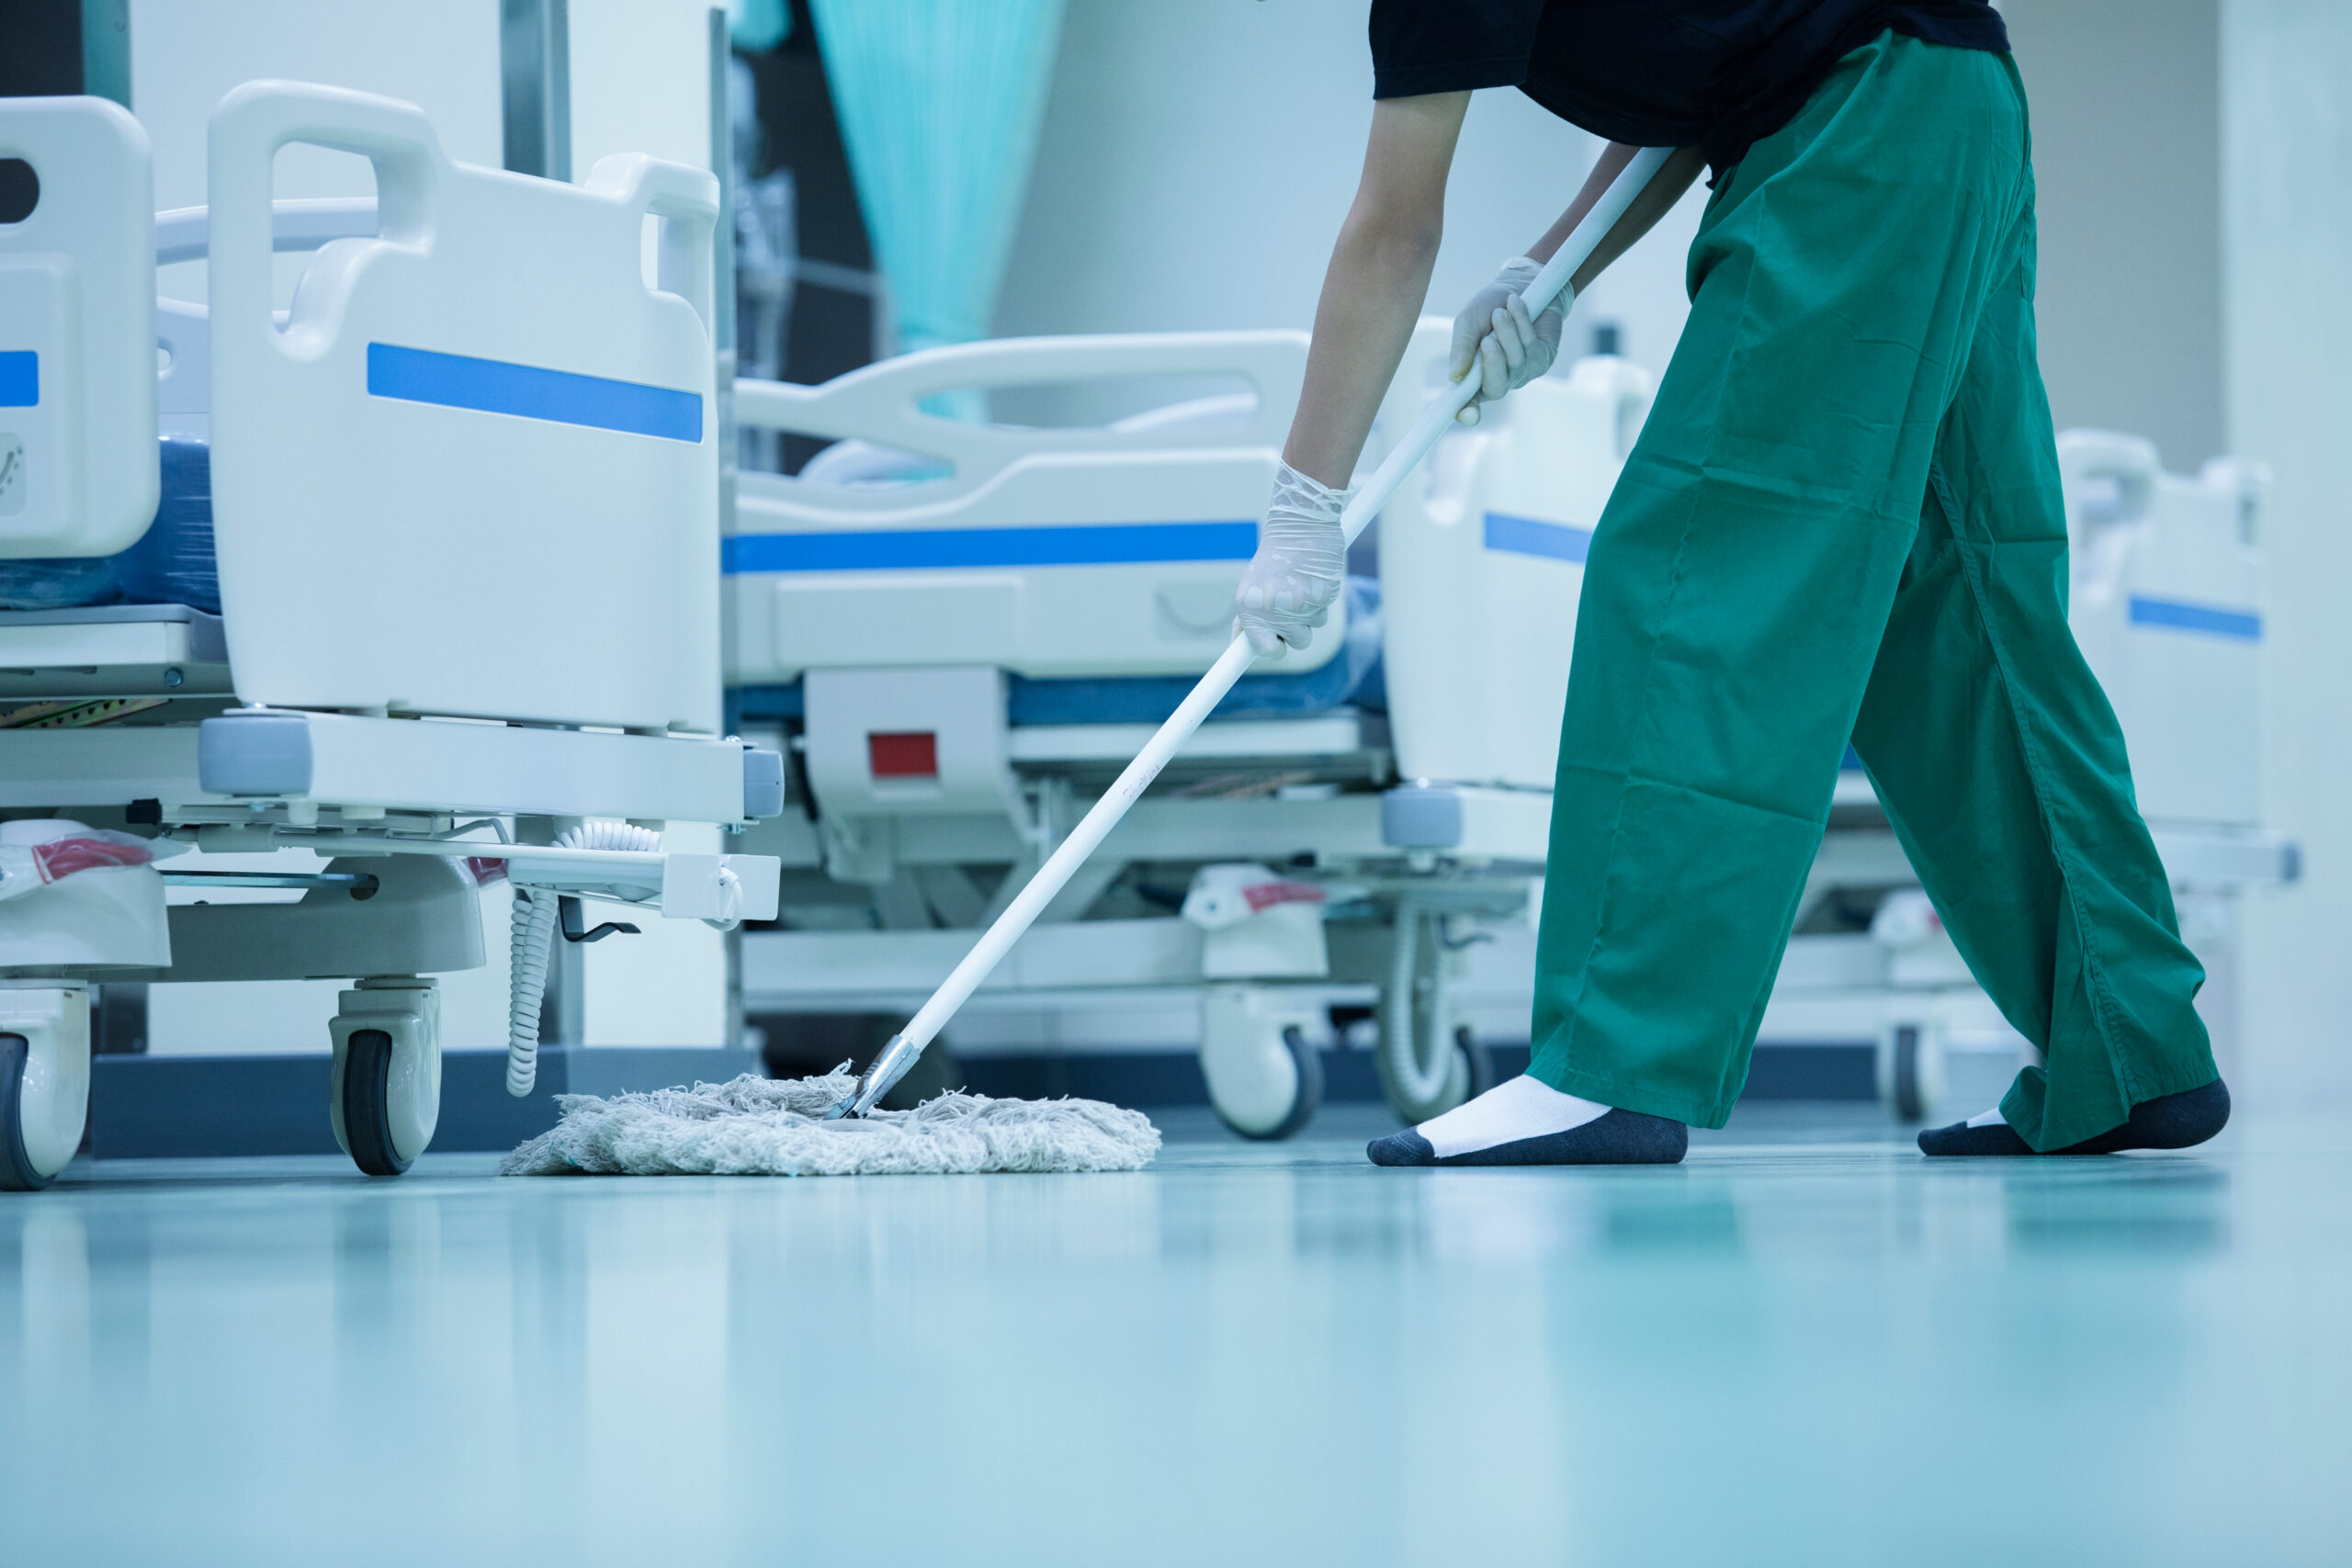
{"type": "Point", "coordinates": [1413, 1042]}
{"type": "Point", "coordinates": [532, 947]}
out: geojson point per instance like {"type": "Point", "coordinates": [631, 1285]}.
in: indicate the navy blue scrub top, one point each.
{"type": "Point", "coordinates": [1712, 73]}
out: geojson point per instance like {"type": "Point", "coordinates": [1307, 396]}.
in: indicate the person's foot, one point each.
{"type": "Point", "coordinates": [2170, 1122]}
{"type": "Point", "coordinates": [1524, 1122]}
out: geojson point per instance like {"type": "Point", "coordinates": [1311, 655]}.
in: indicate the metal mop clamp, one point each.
{"type": "Point", "coordinates": [907, 1046]}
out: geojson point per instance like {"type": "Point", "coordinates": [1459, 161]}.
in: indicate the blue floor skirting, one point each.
{"type": "Point", "coordinates": [1141, 1079]}
{"type": "Point", "coordinates": [181, 1107]}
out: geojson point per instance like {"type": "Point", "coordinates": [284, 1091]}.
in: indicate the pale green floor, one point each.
{"type": "Point", "coordinates": [1803, 1346]}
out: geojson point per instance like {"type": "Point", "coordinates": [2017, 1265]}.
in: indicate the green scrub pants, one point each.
{"type": "Point", "coordinates": [1843, 520]}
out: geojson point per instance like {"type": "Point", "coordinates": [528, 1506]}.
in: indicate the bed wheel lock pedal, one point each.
{"type": "Point", "coordinates": [568, 912]}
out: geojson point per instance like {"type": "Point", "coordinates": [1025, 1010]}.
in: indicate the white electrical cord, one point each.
{"type": "Point", "coordinates": [532, 930]}
{"type": "Point", "coordinates": [533, 942]}
{"type": "Point", "coordinates": [1420, 1052]}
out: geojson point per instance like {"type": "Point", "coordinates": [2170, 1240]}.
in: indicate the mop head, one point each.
{"type": "Point", "coordinates": [757, 1126]}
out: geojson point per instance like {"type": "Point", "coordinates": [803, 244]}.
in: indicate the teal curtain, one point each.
{"type": "Point", "coordinates": [939, 102]}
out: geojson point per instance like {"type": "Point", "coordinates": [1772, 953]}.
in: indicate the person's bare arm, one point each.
{"type": "Point", "coordinates": [1378, 277]}
{"type": "Point", "coordinates": [1666, 188]}
{"type": "Point", "coordinates": [1372, 295]}
{"type": "Point", "coordinates": [1503, 340]}
{"type": "Point", "coordinates": [1380, 268]}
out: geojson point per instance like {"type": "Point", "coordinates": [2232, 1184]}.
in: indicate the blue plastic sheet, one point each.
{"type": "Point", "coordinates": [173, 563]}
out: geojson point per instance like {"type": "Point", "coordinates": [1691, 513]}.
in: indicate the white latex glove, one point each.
{"type": "Point", "coordinates": [1302, 562]}
{"type": "Point", "coordinates": [1497, 341]}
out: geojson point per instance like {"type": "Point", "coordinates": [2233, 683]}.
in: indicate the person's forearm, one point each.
{"type": "Point", "coordinates": [1664, 190]}
{"type": "Point", "coordinates": [1378, 277]}
{"type": "Point", "coordinates": [1372, 297]}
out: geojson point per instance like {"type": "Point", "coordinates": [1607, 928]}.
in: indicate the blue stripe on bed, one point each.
{"type": "Point", "coordinates": [1078, 544]}
{"type": "Point", "coordinates": [1527, 536]}
{"type": "Point", "coordinates": [532, 392]}
{"type": "Point", "coordinates": [2208, 618]}
{"type": "Point", "coordinates": [19, 378]}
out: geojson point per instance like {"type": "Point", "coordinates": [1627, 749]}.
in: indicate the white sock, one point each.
{"type": "Point", "coordinates": [1521, 1107]}
{"type": "Point", "coordinates": [1992, 1118]}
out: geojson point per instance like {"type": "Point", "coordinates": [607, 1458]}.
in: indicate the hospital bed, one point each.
{"type": "Point", "coordinates": [464, 498]}
{"type": "Point", "coordinates": [960, 627]}
{"type": "Point", "coordinates": [963, 627]}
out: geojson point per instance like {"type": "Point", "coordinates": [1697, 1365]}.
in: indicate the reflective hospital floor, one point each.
{"type": "Point", "coordinates": [1803, 1346]}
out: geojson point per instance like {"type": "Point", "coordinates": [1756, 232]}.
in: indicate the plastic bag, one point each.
{"type": "Point", "coordinates": [172, 563]}
{"type": "Point", "coordinates": [26, 867]}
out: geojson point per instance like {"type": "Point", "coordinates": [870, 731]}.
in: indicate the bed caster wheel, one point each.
{"type": "Point", "coordinates": [1429, 1062]}
{"type": "Point", "coordinates": [1911, 1068]}
{"type": "Point", "coordinates": [44, 1083]}
{"type": "Point", "coordinates": [1265, 1079]}
{"type": "Point", "coordinates": [386, 1093]}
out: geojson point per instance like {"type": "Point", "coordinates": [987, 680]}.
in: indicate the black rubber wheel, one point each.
{"type": "Point", "coordinates": [366, 1102]}
{"type": "Point", "coordinates": [1478, 1058]}
{"type": "Point", "coordinates": [1908, 1105]}
{"type": "Point", "coordinates": [1309, 1063]}
{"type": "Point", "coordinates": [16, 1172]}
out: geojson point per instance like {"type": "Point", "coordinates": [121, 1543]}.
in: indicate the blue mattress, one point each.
{"type": "Point", "coordinates": [171, 563]}
{"type": "Point", "coordinates": [1351, 679]}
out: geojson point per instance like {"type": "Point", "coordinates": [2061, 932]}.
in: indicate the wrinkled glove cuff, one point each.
{"type": "Point", "coordinates": [1305, 497]}
{"type": "Point", "coordinates": [1300, 565]}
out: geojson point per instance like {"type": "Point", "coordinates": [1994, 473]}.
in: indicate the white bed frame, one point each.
{"type": "Point", "coordinates": [486, 602]}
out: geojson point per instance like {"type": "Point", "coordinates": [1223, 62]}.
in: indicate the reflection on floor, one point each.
{"type": "Point", "coordinates": [1803, 1346]}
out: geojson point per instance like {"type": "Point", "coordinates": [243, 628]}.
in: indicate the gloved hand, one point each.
{"type": "Point", "coordinates": [1302, 562]}
{"type": "Point", "coordinates": [1496, 340]}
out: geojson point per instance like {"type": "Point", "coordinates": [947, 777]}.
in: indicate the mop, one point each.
{"type": "Point", "coordinates": [756, 1126]}
{"type": "Point", "coordinates": [830, 1125]}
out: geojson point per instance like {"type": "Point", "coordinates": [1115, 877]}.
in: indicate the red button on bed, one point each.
{"type": "Point", "coordinates": [903, 754]}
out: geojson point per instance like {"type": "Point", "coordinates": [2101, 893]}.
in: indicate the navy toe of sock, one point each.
{"type": "Point", "coordinates": [1960, 1138]}
{"type": "Point", "coordinates": [2169, 1122]}
{"type": "Point", "coordinates": [1407, 1147]}
{"type": "Point", "coordinates": [1621, 1137]}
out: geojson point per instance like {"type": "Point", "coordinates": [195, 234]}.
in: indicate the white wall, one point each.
{"type": "Point", "coordinates": [640, 80]}
{"type": "Point", "coordinates": [640, 83]}
{"type": "Point", "coordinates": [1198, 156]}
{"type": "Point", "coordinates": [185, 55]}
{"type": "Point", "coordinates": [2126, 105]}
{"type": "Point", "coordinates": [2287, 178]}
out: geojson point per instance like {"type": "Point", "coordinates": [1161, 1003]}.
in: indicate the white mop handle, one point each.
{"type": "Point", "coordinates": [1105, 814]}
{"type": "Point", "coordinates": [1091, 830]}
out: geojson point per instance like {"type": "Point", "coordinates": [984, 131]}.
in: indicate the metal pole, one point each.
{"type": "Point", "coordinates": [534, 86]}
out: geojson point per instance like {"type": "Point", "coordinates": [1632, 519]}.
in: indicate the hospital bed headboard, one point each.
{"type": "Point", "coordinates": [1108, 549]}
{"type": "Point", "coordinates": [882, 403]}
{"type": "Point", "coordinates": [77, 334]}
{"type": "Point", "coordinates": [474, 472]}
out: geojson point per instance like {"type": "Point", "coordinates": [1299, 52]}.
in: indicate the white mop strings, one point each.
{"type": "Point", "coordinates": [755, 1126]}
